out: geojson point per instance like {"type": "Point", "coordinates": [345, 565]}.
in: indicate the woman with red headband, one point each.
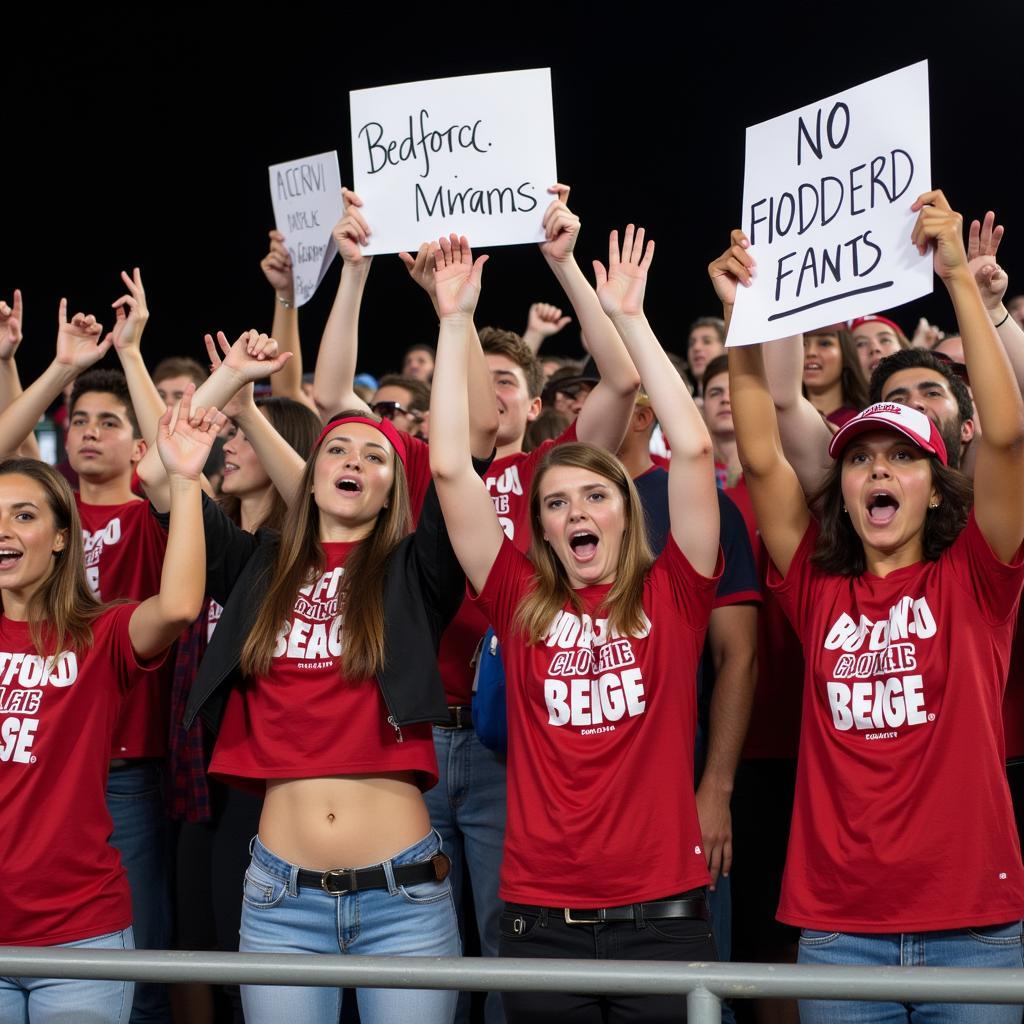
{"type": "Point", "coordinates": [326, 703]}
{"type": "Point", "coordinates": [903, 848]}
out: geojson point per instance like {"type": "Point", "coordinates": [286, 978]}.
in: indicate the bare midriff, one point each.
{"type": "Point", "coordinates": [343, 822]}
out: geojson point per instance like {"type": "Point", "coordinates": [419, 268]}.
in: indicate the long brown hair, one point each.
{"type": "Point", "coordinates": [300, 559]}
{"type": "Point", "coordinates": [550, 590]}
{"type": "Point", "coordinates": [299, 426]}
{"type": "Point", "coordinates": [839, 550]}
{"type": "Point", "coordinates": [63, 607]}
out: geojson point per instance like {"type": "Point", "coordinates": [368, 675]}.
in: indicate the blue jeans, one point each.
{"type": "Point", "coordinates": [135, 799]}
{"type": "Point", "coordinates": [467, 807]}
{"type": "Point", "coordinates": [70, 1000]}
{"type": "Point", "coordinates": [280, 917]}
{"type": "Point", "coordinates": [989, 946]}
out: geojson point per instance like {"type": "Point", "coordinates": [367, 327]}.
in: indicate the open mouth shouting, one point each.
{"type": "Point", "coordinates": [583, 545]}
{"type": "Point", "coordinates": [349, 485]}
{"type": "Point", "coordinates": [882, 508]}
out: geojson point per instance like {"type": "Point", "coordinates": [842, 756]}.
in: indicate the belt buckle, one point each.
{"type": "Point", "coordinates": [460, 721]}
{"type": "Point", "coordinates": [340, 872]}
{"type": "Point", "coordinates": [569, 919]}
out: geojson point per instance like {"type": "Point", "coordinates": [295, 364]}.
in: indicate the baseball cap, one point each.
{"type": "Point", "coordinates": [913, 425]}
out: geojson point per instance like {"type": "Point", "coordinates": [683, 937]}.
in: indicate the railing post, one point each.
{"type": "Point", "coordinates": [703, 1007]}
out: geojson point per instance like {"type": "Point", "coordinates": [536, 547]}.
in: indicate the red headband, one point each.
{"type": "Point", "coordinates": [875, 318]}
{"type": "Point", "coordinates": [386, 427]}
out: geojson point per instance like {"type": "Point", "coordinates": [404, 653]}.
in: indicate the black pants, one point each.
{"type": "Point", "coordinates": [543, 933]}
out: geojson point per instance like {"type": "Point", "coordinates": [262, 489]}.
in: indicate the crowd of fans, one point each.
{"type": "Point", "coordinates": [514, 654]}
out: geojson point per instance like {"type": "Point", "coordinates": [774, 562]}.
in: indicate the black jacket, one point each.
{"type": "Point", "coordinates": [423, 588]}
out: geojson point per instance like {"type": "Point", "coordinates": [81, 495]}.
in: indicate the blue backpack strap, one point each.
{"type": "Point", "coordinates": [490, 719]}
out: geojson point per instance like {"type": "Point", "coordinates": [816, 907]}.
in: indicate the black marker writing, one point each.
{"type": "Point", "coordinates": [832, 127]}
{"type": "Point", "coordinates": [447, 202]}
{"type": "Point", "coordinates": [419, 143]}
{"type": "Point", "coordinates": [300, 180]}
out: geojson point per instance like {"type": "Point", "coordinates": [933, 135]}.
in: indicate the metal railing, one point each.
{"type": "Point", "coordinates": [703, 984]}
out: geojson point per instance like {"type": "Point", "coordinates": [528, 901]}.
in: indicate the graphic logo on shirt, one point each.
{"type": "Point", "coordinates": [22, 681]}
{"type": "Point", "coordinates": [501, 488]}
{"type": "Point", "coordinates": [94, 544]}
{"type": "Point", "coordinates": [592, 679]}
{"type": "Point", "coordinates": [313, 636]}
{"type": "Point", "coordinates": [884, 692]}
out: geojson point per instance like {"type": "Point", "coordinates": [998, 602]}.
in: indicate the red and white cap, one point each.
{"type": "Point", "coordinates": [913, 425]}
{"type": "Point", "coordinates": [875, 318]}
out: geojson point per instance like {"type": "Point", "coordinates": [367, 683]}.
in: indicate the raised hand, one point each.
{"type": "Point", "coordinates": [277, 267]}
{"type": "Point", "coordinates": [352, 231]}
{"type": "Point", "coordinates": [621, 288]}
{"type": "Point", "coordinates": [545, 319]}
{"type": "Point", "coordinates": [734, 266]}
{"type": "Point", "coordinates": [421, 268]}
{"type": "Point", "coordinates": [245, 395]}
{"type": "Point", "coordinates": [78, 344]}
{"type": "Point", "coordinates": [252, 357]}
{"type": "Point", "coordinates": [185, 436]}
{"type": "Point", "coordinates": [128, 326]}
{"type": "Point", "coordinates": [456, 276]}
{"type": "Point", "coordinates": [561, 227]}
{"type": "Point", "coordinates": [926, 335]}
{"type": "Point", "coordinates": [11, 319]}
{"type": "Point", "coordinates": [983, 240]}
{"type": "Point", "coordinates": [940, 226]}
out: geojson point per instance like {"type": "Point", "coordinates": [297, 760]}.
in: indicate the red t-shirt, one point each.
{"type": "Point", "coordinates": [1013, 698]}
{"type": "Point", "coordinates": [124, 556]}
{"type": "Point", "coordinates": [774, 730]}
{"type": "Point", "coordinates": [305, 720]}
{"type": "Point", "coordinates": [601, 810]}
{"type": "Point", "coordinates": [417, 472]}
{"type": "Point", "coordinates": [902, 820]}
{"type": "Point", "coordinates": [508, 481]}
{"type": "Point", "coordinates": [62, 880]}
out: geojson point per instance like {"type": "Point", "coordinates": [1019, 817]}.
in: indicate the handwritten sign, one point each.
{"type": "Point", "coordinates": [307, 204]}
{"type": "Point", "coordinates": [827, 191]}
{"type": "Point", "coordinates": [474, 155]}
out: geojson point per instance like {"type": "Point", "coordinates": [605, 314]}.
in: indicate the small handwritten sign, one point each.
{"type": "Point", "coordinates": [474, 155]}
{"type": "Point", "coordinates": [827, 191]}
{"type": "Point", "coordinates": [307, 204]}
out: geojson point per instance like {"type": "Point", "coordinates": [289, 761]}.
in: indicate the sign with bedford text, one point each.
{"type": "Point", "coordinates": [473, 155]}
{"type": "Point", "coordinates": [827, 191]}
{"type": "Point", "coordinates": [307, 204]}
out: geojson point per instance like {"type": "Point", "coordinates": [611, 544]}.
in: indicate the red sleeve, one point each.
{"type": "Point", "coordinates": [110, 631]}
{"type": "Point", "coordinates": [674, 580]}
{"type": "Point", "coordinates": [795, 591]}
{"type": "Point", "coordinates": [417, 473]}
{"type": "Point", "coordinates": [529, 463]}
{"type": "Point", "coordinates": [506, 584]}
{"type": "Point", "coordinates": [993, 585]}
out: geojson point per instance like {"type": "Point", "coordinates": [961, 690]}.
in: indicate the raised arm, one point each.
{"type": "Point", "coordinates": [475, 532]}
{"type": "Point", "coordinates": [805, 435]}
{"type": "Point", "coordinates": [692, 494]}
{"type": "Point", "coordinates": [999, 468]}
{"type": "Point", "coordinates": [277, 269]}
{"type": "Point", "coordinates": [543, 321]}
{"type": "Point", "coordinates": [184, 438]}
{"type": "Point", "coordinates": [339, 345]}
{"type": "Point", "coordinates": [782, 514]}
{"type": "Point", "coordinates": [11, 321]}
{"type": "Point", "coordinates": [78, 348]}
{"type": "Point", "coordinates": [606, 414]}
{"type": "Point", "coordinates": [132, 315]}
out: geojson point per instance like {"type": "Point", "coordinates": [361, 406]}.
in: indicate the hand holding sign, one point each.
{"type": "Point", "coordinates": [561, 227]}
{"type": "Point", "coordinates": [277, 267]}
{"type": "Point", "coordinates": [734, 266]}
{"type": "Point", "coordinates": [940, 227]}
{"type": "Point", "coordinates": [352, 231]}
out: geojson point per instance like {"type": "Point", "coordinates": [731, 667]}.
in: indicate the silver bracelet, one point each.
{"type": "Point", "coordinates": [287, 303]}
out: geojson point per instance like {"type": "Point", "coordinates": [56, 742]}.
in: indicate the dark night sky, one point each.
{"type": "Point", "coordinates": [147, 142]}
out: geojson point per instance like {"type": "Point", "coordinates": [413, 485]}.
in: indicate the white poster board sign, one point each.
{"type": "Point", "coordinates": [827, 191]}
{"type": "Point", "coordinates": [474, 155]}
{"type": "Point", "coordinates": [307, 204]}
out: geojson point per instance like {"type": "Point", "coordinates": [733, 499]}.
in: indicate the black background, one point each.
{"type": "Point", "coordinates": [144, 139]}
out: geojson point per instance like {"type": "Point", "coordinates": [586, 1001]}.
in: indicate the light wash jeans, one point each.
{"type": "Point", "coordinates": [988, 946]}
{"type": "Point", "coordinates": [467, 807]}
{"type": "Point", "coordinates": [70, 1000]}
{"type": "Point", "coordinates": [280, 917]}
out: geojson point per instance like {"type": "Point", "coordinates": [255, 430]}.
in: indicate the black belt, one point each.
{"type": "Point", "coordinates": [693, 909]}
{"type": "Point", "coordinates": [339, 881]}
{"type": "Point", "coordinates": [460, 716]}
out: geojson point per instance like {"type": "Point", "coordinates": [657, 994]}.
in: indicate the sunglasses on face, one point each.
{"type": "Point", "coordinates": [388, 411]}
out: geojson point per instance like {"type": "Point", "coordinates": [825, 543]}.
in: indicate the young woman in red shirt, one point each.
{"type": "Point", "coordinates": [903, 590]}
{"type": "Point", "coordinates": [600, 643]}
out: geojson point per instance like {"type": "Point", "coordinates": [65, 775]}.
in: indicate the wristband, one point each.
{"type": "Point", "coordinates": [1003, 321]}
{"type": "Point", "coordinates": [287, 303]}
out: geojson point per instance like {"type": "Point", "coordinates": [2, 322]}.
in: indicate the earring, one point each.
{"type": "Point", "coordinates": [933, 504]}
{"type": "Point", "coordinates": [843, 507]}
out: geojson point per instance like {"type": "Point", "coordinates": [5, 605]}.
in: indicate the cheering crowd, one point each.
{"type": "Point", "coordinates": [512, 654]}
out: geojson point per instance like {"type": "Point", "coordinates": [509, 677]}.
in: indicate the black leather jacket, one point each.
{"type": "Point", "coordinates": [422, 591]}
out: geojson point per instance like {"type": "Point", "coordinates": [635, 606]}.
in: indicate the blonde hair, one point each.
{"type": "Point", "coordinates": [550, 590]}
{"type": "Point", "coordinates": [63, 607]}
{"type": "Point", "coordinates": [300, 559]}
